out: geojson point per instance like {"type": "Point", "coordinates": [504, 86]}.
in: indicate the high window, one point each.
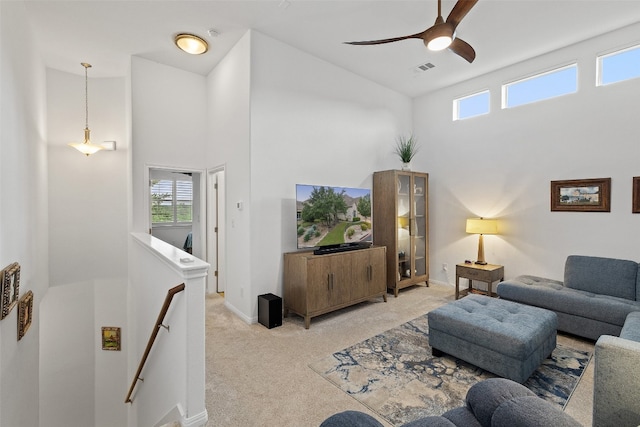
{"type": "Point", "coordinates": [471, 106]}
{"type": "Point", "coordinates": [558, 82]}
{"type": "Point", "coordinates": [619, 66]}
{"type": "Point", "coordinates": [171, 201]}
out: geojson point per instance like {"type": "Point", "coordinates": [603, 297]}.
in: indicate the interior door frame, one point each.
{"type": "Point", "coordinates": [216, 217]}
{"type": "Point", "coordinates": [200, 218]}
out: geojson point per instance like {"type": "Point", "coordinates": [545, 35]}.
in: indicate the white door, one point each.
{"type": "Point", "coordinates": [215, 230]}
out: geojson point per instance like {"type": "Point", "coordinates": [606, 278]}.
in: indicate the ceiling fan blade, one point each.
{"type": "Point", "coordinates": [462, 48]}
{"type": "Point", "coordinates": [459, 11]}
{"type": "Point", "coordinates": [391, 40]}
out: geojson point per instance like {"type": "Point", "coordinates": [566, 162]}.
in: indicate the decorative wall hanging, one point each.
{"type": "Point", "coordinates": [25, 314]}
{"type": "Point", "coordinates": [110, 338]}
{"type": "Point", "coordinates": [635, 207]}
{"type": "Point", "coordinates": [10, 287]}
{"type": "Point", "coordinates": [581, 195]}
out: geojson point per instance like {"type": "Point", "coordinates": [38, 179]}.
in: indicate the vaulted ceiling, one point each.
{"type": "Point", "coordinates": [503, 32]}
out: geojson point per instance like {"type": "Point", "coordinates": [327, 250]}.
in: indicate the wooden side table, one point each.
{"type": "Point", "coordinates": [488, 273]}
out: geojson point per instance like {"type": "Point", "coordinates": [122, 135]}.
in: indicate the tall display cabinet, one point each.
{"type": "Point", "coordinates": [401, 223]}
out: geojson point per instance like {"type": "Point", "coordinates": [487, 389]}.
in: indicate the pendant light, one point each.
{"type": "Point", "coordinates": [86, 147]}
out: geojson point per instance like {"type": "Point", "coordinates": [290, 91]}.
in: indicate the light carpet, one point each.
{"type": "Point", "coordinates": [395, 375]}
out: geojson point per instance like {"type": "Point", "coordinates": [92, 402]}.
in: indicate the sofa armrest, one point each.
{"type": "Point", "coordinates": [615, 395]}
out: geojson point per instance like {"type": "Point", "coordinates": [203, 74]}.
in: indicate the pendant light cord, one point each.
{"type": "Point", "coordinates": [86, 95]}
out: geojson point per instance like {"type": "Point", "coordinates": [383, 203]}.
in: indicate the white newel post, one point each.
{"type": "Point", "coordinates": [196, 282]}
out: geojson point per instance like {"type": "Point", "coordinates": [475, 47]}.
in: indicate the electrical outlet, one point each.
{"type": "Point", "coordinates": [445, 266]}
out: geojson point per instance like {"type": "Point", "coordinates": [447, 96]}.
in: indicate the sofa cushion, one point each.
{"type": "Point", "coordinates": [631, 328]}
{"type": "Point", "coordinates": [432, 421]}
{"type": "Point", "coordinates": [531, 411]}
{"type": "Point", "coordinates": [485, 397]}
{"type": "Point", "coordinates": [351, 419]}
{"type": "Point", "coordinates": [550, 294]}
{"type": "Point", "coordinates": [462, 416]}
{"type": "Point", "coordinates": [604, 276]}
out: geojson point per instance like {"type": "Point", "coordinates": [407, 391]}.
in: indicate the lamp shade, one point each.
{"type": "Point", "coordinates": [482, 226]}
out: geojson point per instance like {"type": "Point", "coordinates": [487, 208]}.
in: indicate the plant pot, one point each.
{"type": "Point", "coordinates": [406, 166]}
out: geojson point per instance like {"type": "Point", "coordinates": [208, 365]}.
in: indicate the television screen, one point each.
{"type": "Point", "coordinates": [329, 216]}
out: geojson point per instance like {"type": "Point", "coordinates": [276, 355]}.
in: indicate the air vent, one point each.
{"type": "Point", "coordinates": [424, 67]}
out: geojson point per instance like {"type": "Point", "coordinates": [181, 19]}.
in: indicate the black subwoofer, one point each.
{"type": "Point", "coordinates": [270, 310]}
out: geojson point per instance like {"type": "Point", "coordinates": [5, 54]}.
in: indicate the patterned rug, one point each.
{"type": "Point", "coordinates": [395, 375]}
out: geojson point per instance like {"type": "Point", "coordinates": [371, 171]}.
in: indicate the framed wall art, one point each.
{"type": "Point", "coordinates": [635, 204]}
{"type": "Point", "coordinates": [10, 287]}
{"type": "Point", "coordinates": [110, 338]}
{"type": "Point", "coordinates": [25, 314]}
{"type": "Point", "coordinates": [581, 195]}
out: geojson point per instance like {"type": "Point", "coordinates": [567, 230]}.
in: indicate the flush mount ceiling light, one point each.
{"type": "Point", "coordinates": [191, 44]}
{"type": "Point", "coordinates": [86, 147]}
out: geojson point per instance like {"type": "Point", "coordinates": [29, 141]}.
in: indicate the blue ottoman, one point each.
{"type": "Point", "coordinates": [503, 337]}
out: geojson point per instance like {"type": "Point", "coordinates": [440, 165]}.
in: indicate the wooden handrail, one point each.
{"type": "Point", "coordinates": [152, 338]}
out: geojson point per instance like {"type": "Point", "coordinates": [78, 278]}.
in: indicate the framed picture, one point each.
{"type": "Point", "coordinates": [110, 338]}
{"type": "Point", "coordinates": [10, 287]}
{"type": "Point", "coordinates": [582, 195]}
{"type": "Point", "coordinates": [635, 206]}
{"type": "Point", "coordinates": [25, 314]}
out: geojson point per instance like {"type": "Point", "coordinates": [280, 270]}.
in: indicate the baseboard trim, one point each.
{"type": "Point", "coordinates": [197, 420]}
{"type": "Point", "coordinates": [247, 319]}
{"type": "Point", "coordinates": [439, 282]}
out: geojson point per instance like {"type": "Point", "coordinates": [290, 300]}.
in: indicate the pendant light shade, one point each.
{"type": "Point", "coordinates": [86, 147]}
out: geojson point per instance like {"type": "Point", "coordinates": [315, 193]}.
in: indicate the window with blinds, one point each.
{"type": "Point", "coordinates": [171, 201]}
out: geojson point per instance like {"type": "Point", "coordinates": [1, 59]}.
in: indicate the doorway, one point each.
{"type": "Point", "coordinates": [175, 207]}
{"type": "Point", "coordinates": [216, 280]}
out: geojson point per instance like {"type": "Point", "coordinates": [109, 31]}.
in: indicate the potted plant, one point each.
{"type": "Point", "coordinates": [406, 149]}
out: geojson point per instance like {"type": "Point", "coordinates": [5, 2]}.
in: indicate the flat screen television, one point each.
{"type": "Point", "coordinates": [333, 217]}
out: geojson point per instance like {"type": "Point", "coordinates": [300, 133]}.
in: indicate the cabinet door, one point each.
{"type": "Point", "coordinates": [340, 282]}
{"type": "Point", "coordinates": [377, 271]}
{"type": "Point", "coordinates": [420, 225]}
{"type": "Point", "coordinates": [318, 283]}
{"type": "Point", "coordinates": [404, 212]}
{"type": "Point", "coordinates": [360, 274]}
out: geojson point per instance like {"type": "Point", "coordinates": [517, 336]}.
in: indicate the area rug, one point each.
{"type": "Point", "coordinates": [395, 375]}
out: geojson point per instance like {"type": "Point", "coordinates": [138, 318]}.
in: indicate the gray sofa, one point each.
{"type": "Point", "coordinates": [495, 402]}
{"type": "Point", "coordinates": [616, 396]}
{"type": "Point", "coordinates": [594, 299]}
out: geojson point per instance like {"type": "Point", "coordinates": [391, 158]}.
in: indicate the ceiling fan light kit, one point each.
{"type": "Point", "coordinates": [439, 43]}
{"type": "Point", "coordinates": [441, 35]}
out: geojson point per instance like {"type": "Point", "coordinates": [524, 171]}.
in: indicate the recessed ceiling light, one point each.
{"type": "Point", "coordinates": [191, 44]}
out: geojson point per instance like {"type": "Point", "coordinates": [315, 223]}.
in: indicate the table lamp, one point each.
{"type": "Point", "coordinates": [481, 226]}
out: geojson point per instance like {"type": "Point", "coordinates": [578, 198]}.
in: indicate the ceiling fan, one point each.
{"type": "Point", "coordinates": [442, 34]}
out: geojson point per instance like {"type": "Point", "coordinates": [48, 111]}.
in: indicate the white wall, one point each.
{"type": "Point", "coordinates": [88, 217]}
{"type": "Point", "coordinates": [110, 368]}
{"type": "Point", "coordinates": [23, 208]}
{"type": "Point", "coordinates": [229, 123]}
{"type": "Point", "coordinates": [67, 386]}
{"type": "Point", "coordinates": [169, 125]}
{"type": "Point", "coordinates": [310, 122]}
{"type": "Point", "coordinates": [500, 165]}
{"type": "Point", "coordinates": [88, 195]}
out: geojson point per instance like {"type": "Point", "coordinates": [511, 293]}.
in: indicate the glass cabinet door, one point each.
{"type": "Point", "coordinates": [404, 216]}
{"type": "Point", "coordinates": [419, 234]}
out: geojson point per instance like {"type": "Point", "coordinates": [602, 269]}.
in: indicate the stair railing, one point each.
{"type": "Point", "coordinates": [152, 338]}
